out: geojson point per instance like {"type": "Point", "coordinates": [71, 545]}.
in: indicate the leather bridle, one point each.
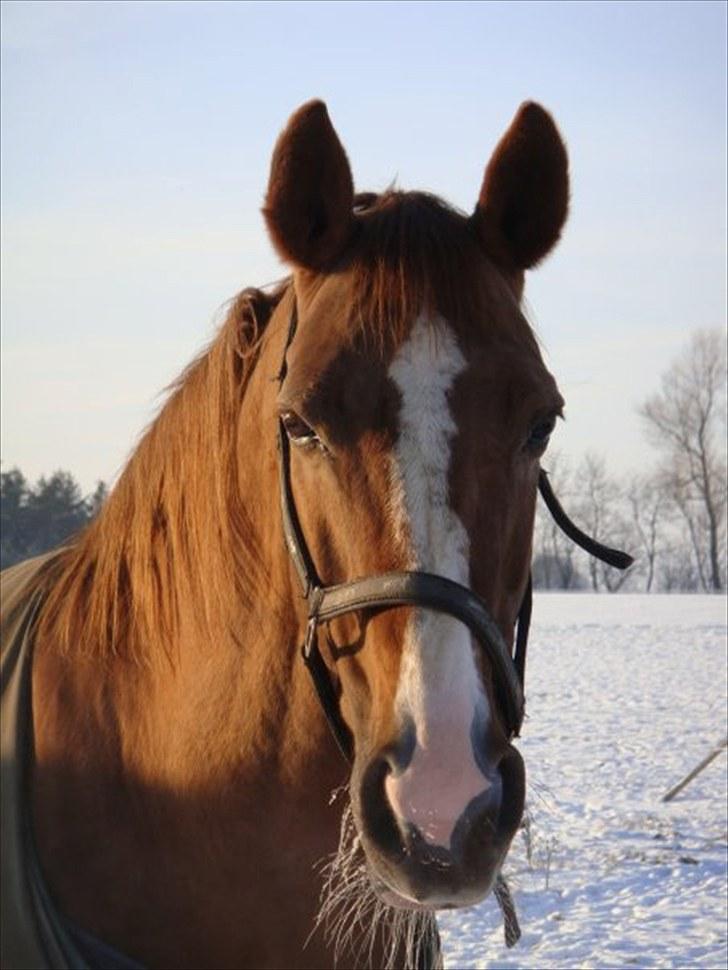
{"type": "Point", "coordinates": [412, 588]}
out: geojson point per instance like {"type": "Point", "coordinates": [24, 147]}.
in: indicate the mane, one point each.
{"type": "Point", "coordinates": [414, 253]}
{"type": "Point", "coordinates": [173, 531]}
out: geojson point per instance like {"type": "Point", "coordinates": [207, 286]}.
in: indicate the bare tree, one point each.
{"type": "Point", "coordinates": [599, 509]}
{"type": "Point", "coordinates": [686, 421]}
{"type": "Point", "coordinates": [676, 571]}
{"type": "Point", "coordinates": [648, 504]}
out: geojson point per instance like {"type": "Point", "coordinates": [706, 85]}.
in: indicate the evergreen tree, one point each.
{"type": "Point", "coordinates": [13, 508]}
{"type": "Point", "coordinates": [38, 518]}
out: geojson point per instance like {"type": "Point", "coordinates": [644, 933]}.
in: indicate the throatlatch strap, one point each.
{"type": "Point", "coordinates": [612, 557]}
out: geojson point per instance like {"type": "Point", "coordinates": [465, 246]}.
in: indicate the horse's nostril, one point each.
{"type": "Point", "coordinates": [398, 755]}
{"type": "Point", "coordinates": [481, 817]}
{"type": "Point", "coordinates": [512, 773]}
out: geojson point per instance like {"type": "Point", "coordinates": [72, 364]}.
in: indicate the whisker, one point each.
{"type": "Point", "coordinates": [353, 919]}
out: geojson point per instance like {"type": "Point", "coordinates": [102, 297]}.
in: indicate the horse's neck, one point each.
{"type": "Point", "coordinates": [185, 829]}
{"type": "Point", "coordinates": [180, 803]}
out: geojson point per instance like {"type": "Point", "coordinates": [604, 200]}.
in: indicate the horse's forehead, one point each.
{"type": "Point", "coordinates": [348, 381]}
{"type": "Point", "coordinates": [340, 366]}
{"type": "Point", "coordinates": [483, 386]}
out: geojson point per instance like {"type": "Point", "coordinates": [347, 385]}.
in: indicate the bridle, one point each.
{"type": "Point", "coordinates": [411, 588]}
{"type": "Point", "coordinates": [424, 590]}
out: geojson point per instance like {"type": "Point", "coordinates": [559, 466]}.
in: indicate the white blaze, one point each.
{"type": "Point", "coordinates": [439, 686]}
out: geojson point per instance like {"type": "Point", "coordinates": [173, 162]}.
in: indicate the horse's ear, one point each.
{"type": "Point", "coordinates": [309, 202]}
{"type": "Point", "coordinates": [524, 199]}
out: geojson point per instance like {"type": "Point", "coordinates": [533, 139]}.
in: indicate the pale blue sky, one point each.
{"type": "Point", "coordinates": [136, 139]}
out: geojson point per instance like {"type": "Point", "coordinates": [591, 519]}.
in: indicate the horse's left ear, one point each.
{"type": "Point", "coordinates": [524, 199]}
{"type": "Point", "coordinates": [309, 203]}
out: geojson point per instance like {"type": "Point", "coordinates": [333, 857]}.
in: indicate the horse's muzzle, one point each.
{"type": "Point", "coordinates": [410, 871]}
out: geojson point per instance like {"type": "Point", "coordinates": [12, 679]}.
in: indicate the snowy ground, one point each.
{"type": "Point", "coordinates": [625, 694]}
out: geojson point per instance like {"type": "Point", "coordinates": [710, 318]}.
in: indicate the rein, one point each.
{"type": "Point", "coordinates": [411, 588]}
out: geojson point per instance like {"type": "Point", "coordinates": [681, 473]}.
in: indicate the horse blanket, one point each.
{"type": "Point", "coordinates": [34, 934]}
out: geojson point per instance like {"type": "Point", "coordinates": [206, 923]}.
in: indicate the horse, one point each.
{"type": "Point", "coordinates": [352, 465]}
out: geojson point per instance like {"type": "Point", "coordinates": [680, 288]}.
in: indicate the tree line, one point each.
{"type": "Point", "coordinates": [37, 517]}
{"type": "Point", "coordinates": [671, 518]}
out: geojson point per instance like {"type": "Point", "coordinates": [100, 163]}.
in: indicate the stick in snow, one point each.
{"type": "Point", "coordinates": [696, 771]}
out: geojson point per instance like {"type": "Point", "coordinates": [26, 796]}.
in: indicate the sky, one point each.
{"type": "Point", "coordinates": [136, 142]}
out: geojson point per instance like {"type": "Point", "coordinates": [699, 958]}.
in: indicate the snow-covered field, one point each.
{"type": "Point", "coordinates": [625, 694]}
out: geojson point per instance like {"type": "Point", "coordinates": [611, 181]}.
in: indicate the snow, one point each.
{"type": "Point", "coordinates": [625, 695]}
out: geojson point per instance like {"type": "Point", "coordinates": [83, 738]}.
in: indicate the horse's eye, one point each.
{"type": "Point", "coordinates": [299, 433]}
{"type": "Point", "coordinates": [538, 439]}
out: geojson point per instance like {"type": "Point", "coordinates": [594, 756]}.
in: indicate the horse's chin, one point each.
{"type": "Point", "coordinates": [394, 899]}
{"type": "Point", "coordinates": [397, 901]}
{"type": "Point", "coordinates": [398, 898]}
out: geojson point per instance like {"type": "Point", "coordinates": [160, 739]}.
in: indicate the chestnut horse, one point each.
{"type": "Point", "coordinates": [184, 785]}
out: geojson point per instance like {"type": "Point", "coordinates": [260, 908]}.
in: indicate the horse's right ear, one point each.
{"type": "Point", "coordinates": [309, 203]}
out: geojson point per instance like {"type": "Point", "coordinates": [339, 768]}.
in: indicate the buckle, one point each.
{"type": "Point", "coordinates": [307, 648]}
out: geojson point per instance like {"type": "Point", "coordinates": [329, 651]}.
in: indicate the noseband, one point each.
{"type": "Point", "coordinates": [415, 589]}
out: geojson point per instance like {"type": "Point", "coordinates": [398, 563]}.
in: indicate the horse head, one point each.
{"type": "Point", "coordinates": [415, 408]}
